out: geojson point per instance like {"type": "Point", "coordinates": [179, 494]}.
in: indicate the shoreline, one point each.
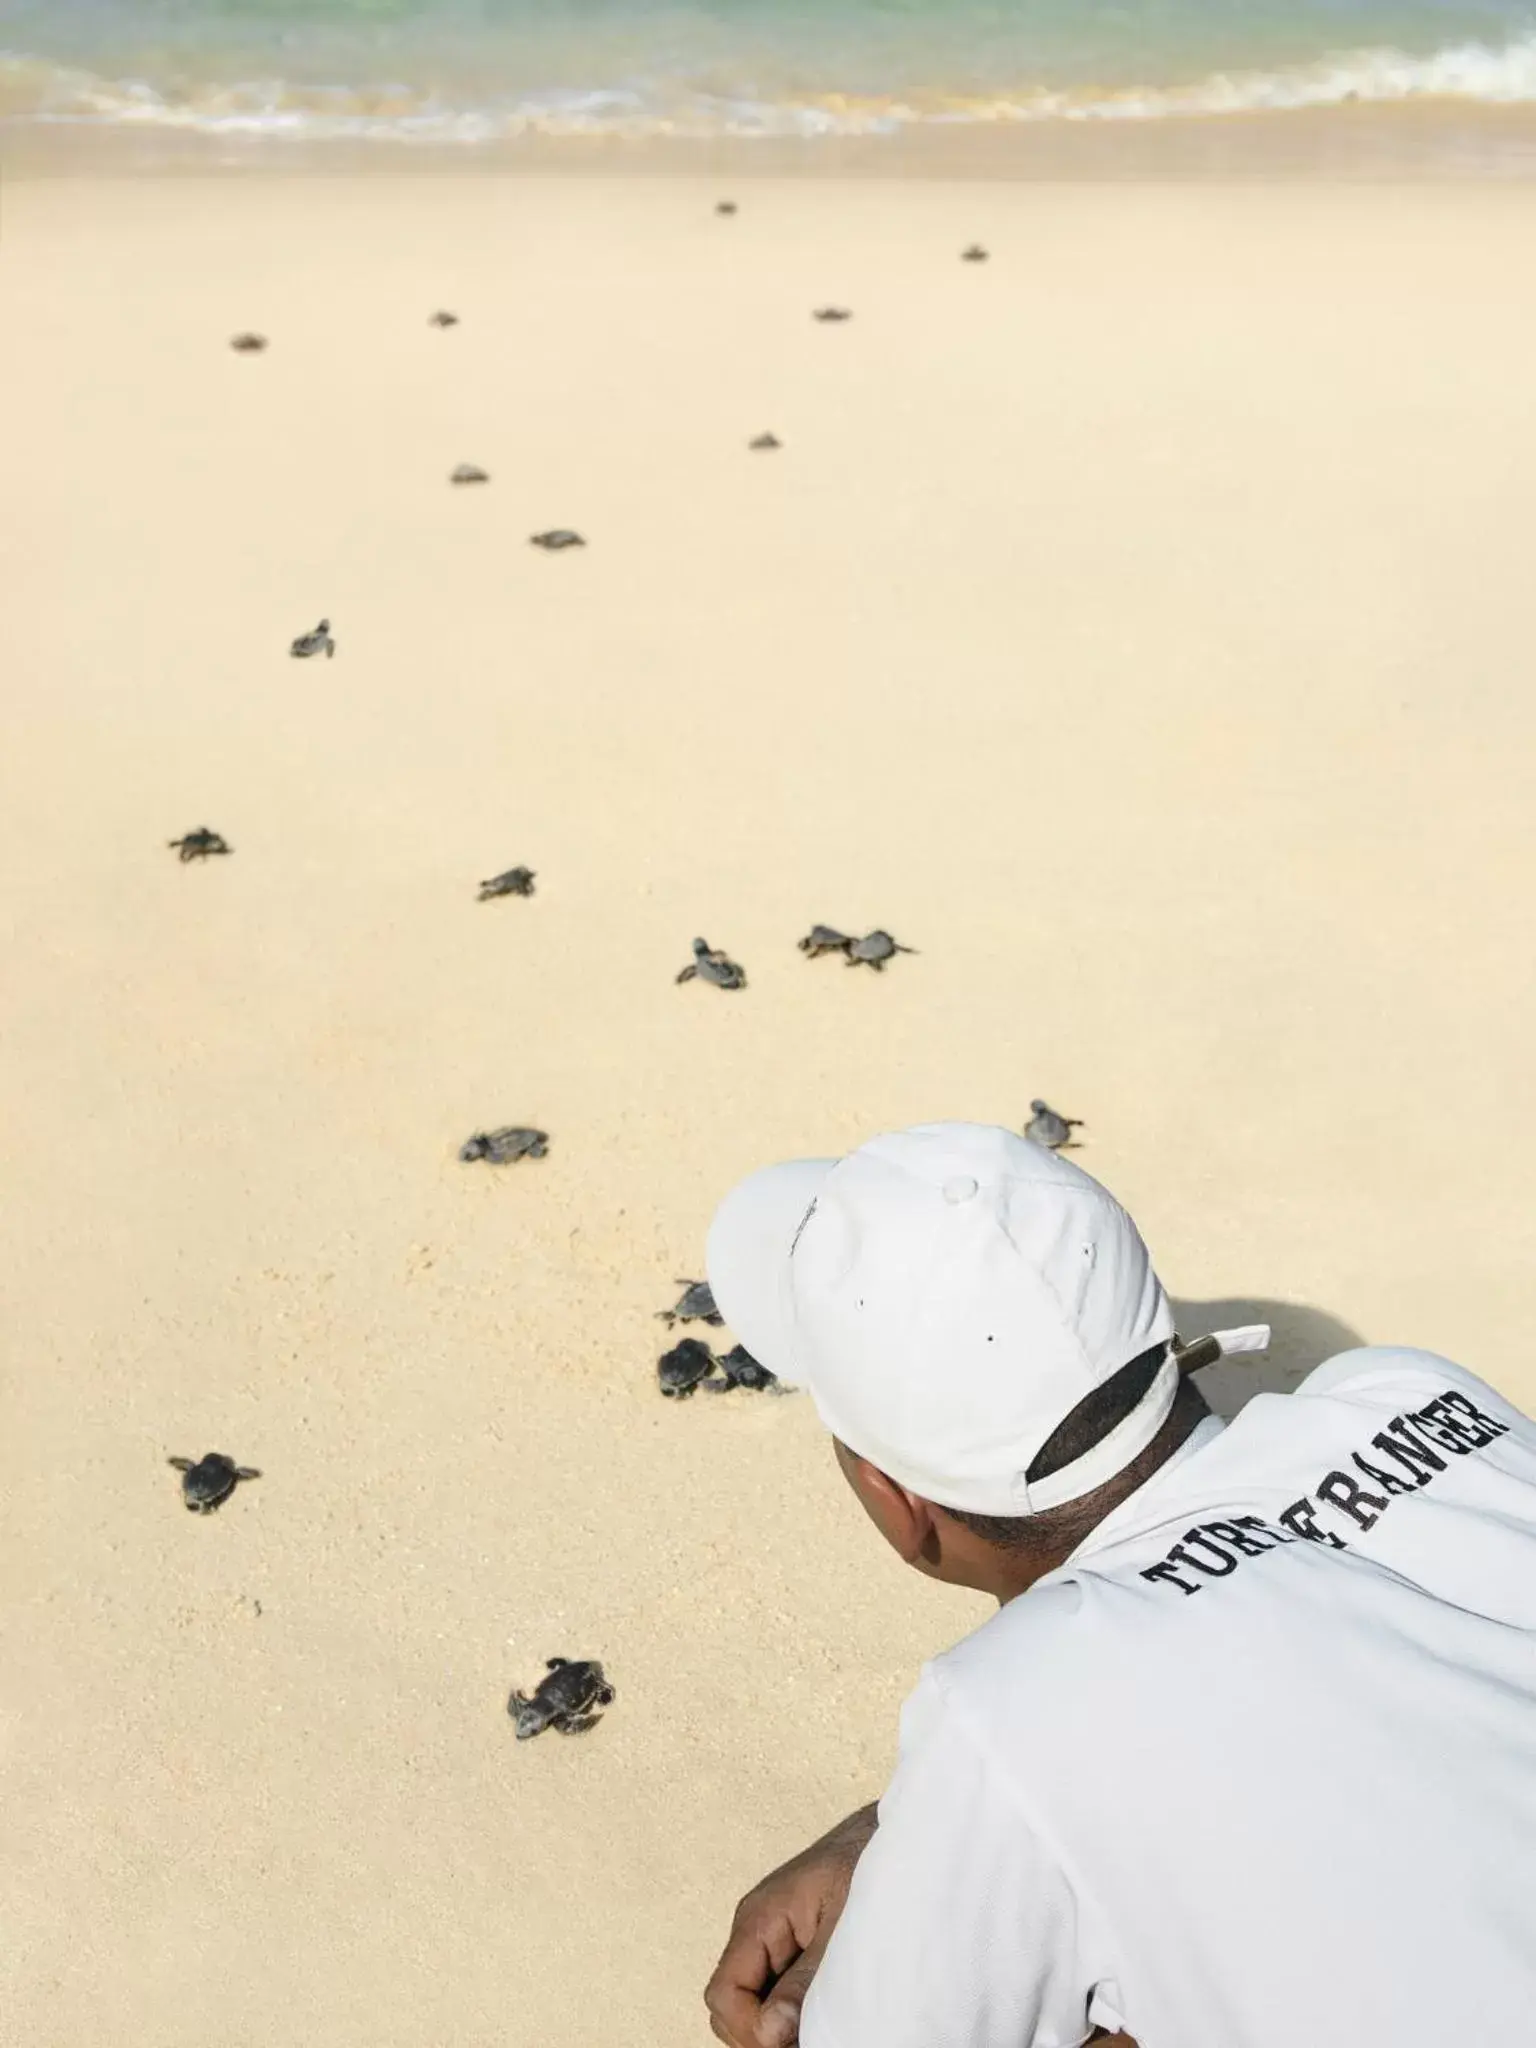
{"type": "Point", "coordinates": [1359, 143]}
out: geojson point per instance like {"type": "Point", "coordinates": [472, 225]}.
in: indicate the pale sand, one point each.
{"type": "Point", "coordinates": [1139, 625]}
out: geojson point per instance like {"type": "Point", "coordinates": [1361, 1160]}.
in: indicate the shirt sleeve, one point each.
{"type": "Point", "coordinates": [960, 1931]}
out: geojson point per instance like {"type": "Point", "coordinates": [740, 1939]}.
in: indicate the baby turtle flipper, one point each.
{"type": "Point", "coordinates": [526, 1719]}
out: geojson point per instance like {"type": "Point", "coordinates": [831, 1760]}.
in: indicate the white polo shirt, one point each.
{"type": "Point", "coordinates": [1256, 1768]}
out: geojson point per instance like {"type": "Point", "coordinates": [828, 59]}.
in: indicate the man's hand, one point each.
{"type": "Point", "coordinates": [778, 1936]}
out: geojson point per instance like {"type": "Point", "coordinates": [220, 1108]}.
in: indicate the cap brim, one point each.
{"type": "Point", "coordinates": [747, 1258]}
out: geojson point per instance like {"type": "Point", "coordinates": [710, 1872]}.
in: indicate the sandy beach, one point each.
{"type": "Point", "coordinates": [1137, 625]}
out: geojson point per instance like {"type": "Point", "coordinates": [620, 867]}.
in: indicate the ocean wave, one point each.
{"type": "Point", "coordinates": [35, 91]}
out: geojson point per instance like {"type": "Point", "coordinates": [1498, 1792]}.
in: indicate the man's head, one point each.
{"type": "Point", "coordinates": [981, 1329]}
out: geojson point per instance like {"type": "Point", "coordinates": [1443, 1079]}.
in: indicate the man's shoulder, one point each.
{"type": "Point", "coordinates": [1398, 1382]}
{"type": "Point", "coordinates": [1041, 1646]}
{"type": "Point", "coordinates": [1383, 1367]}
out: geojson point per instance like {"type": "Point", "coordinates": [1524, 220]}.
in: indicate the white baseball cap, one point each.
{"type": "Point", "coordinates": [948, 1294]}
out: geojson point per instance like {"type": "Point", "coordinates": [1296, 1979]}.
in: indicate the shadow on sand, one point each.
{"type": "Point", "coordinates": [1301, 1338]}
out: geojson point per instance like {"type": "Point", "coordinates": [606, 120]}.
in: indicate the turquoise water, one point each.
{"type": "Point", "coordinates": [474, 71]}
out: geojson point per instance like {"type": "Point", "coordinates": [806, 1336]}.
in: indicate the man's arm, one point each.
{"type": "Point", "coordinates": [960, 1929]}
{"type": "Point", "coordinates": [779, 1933]}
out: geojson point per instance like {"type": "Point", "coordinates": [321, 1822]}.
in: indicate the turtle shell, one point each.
{"type": "Point", "coordinates": [681, 1369]}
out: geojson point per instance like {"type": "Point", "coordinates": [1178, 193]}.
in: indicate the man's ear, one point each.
{"type": "Point", "coordinates": [904, 1519]}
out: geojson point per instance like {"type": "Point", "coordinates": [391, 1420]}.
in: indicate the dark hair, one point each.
{"type": "Point", "coordinates": [1088, 1424]}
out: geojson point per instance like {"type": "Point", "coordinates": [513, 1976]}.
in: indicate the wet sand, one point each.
{"type": "Point", "coordinates": [1136, 625]}
{"type": "Point", "coordinates": [1413, 141]}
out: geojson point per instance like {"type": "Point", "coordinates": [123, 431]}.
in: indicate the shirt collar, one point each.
{"type": "Point", "coordinates": [1121, 1520]}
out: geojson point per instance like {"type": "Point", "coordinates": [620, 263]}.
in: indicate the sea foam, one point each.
{"type": "Point", "coordinates": [33, 90]}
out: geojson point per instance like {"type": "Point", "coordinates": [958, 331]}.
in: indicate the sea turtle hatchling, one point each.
{"type": "Point", "coordinates": [200, 844]}
{"type": "Point", "coordinates": [318, 642]}
{"type": "Point", "coordinates": [873, 950]}
{"type": "Point", "coordinates": [500, 1148]}
{"type": "Point", "coordinates": [515, 882]}
{"type": "Point", "coordinates": [696, 1304]}
{"type": "Point", "coordinates": [248, 344]}
{"type": "Point", "coordinates": [558, 537]}
{"type": "Point", "coordinates": [684, 1367]}
{"type": "Point", "coordinates": [975, 254]}
{"type": "Point", "coordinates": [709, 963]}
{"type": "Point", "coordinates": [725, 206]}
{"type": "Point", "coordinates": [822, 938]}
{"type": "Point", "coordinates": [441, 319]}
{"type": "Point", "coordinates": [761, 442]}
{"type": "Point", "coordinates": [1046, 1128]}
{"type": "Point", "coordinates": [570, 1696]}
{"type": "Point", "coordinates": [209, 1482]}
{"type": "Point", "coordinates": [469, 473]}
{"type": "Point", "coordinates": [741, 1369]}
{"type": "Point", "coordinates": [831, 313]}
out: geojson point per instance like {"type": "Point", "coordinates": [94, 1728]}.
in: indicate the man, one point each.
{"type": "Point", "coordinates": [1247, 1759]}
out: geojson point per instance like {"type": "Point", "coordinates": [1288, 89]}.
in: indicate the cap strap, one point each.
{"type": "Point", "coordinates": [1111, 1454]}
